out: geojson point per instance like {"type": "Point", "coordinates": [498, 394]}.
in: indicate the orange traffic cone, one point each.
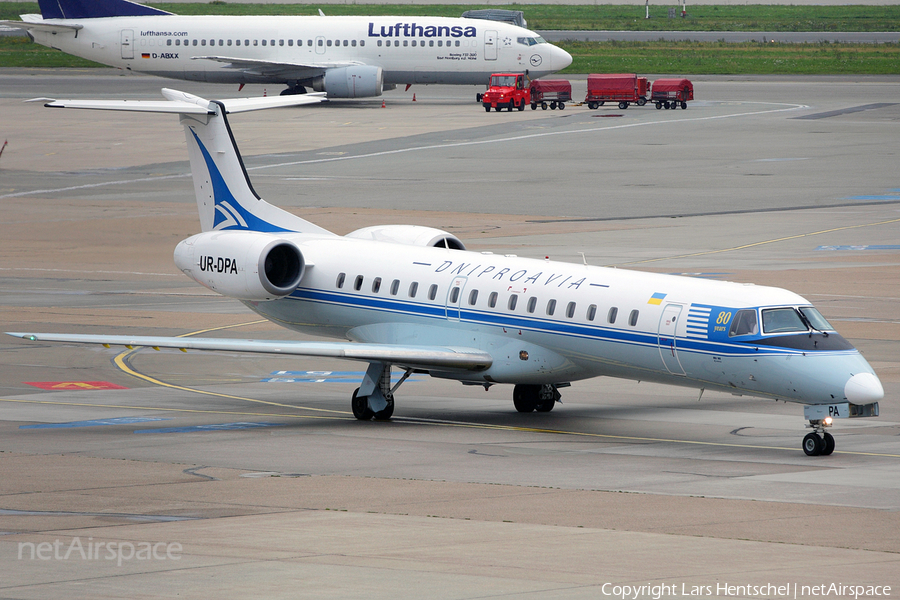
{"type": "Point", "coordinates": [414, 97]}
{"type": "Point", "coordinates": [382, 104]}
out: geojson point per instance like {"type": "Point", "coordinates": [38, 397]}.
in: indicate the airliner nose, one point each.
{"type": "Point", "coordinates": [559, 58]}
{"type": "Point", "coordinates": [863, 388]}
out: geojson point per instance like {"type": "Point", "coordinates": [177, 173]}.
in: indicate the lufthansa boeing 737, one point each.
{"type": "Point", "coordinates": [414, 298]}
{"type": "Point", "coordinates": [347, 57]}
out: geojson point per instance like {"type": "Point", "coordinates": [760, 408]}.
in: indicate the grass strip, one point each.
{"type": "Point", "coordinates": [675, 58]}
{"type": "Point", "coordinates": [748, 17]}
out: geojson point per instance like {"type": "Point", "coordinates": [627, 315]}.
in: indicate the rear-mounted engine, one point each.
{"type": "Point", "coordinates": [242, 264]}
{"type": "Point", "coordinates": [411, 235]}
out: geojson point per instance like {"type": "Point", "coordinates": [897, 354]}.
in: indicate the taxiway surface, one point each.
{"type": "Point", "coordinates": [255, 467]}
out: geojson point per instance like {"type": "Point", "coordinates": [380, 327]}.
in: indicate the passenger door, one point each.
{"type": "Point", "coordinates": [126, 41]}
{"type": "Point", "coordinates": [490, 45]}
{"type": "Point", "coordinates": [668, 325]}
{"type": "Point", "coordinates": [455, 298]}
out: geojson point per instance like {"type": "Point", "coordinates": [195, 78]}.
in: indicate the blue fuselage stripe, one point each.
{"type": "Point", "coordinates": [544, 326]}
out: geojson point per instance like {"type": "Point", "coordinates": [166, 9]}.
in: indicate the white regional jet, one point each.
{"type": "Point", "coordinates": [413, 297]}
{"type": "Point", "coordinates": [347, 57]}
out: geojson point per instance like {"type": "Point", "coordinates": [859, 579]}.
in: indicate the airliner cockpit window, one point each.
{"type": "Point", "coordinates": [816, 319]}
{"type": "Point", "coordinates": [540, 40]}
{"type": "Point", "coordinates": [744, 323]}
{"type": "Point", "coordinates": [783, 320]}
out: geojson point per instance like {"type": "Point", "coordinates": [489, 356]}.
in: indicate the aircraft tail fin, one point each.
{"type": "Point", "coordinates": [225, 197]}
{"type": "Point", "coordinates": [95, 9]}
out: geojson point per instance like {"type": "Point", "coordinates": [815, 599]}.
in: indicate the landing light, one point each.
{"type": "Point", "coordinates": [828, 421]}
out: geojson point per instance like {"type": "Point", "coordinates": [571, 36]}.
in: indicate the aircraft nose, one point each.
{"type": "Point", "coordinates": [863, 388]}
{"type": "Point", "coordinates": [560, 59]}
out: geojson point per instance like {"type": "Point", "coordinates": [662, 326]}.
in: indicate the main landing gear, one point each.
{"type": "Point", "coordinates": [818, 442]}
{"type": "Point", "coordinates": [529, 398]}
{"type": "Point", "coordinates": [294, 90]}
{"type": "Point", "coordinates": [374, 399]}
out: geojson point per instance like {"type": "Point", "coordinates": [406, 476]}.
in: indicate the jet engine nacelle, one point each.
{"type": "Point", "coordinates": [411, 235]}
{"type": "Point", "coordinates": [351, 82]}
{"type": "Point", "coordinates": [242, 264]}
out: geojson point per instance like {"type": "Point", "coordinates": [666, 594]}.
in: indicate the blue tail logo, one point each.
{"type": "Point", "coordinates": [229, 213]}
{"type": "Point", "coordinates": [95, 9]}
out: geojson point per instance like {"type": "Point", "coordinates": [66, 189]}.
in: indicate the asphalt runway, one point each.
{"type": "Point", "coordinates": [242, 476]}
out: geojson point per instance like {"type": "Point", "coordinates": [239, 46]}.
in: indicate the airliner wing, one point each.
{"type": "Point", "coordinates": [278, 69]}
{"type": "Point", "coordinates": [417, 357]}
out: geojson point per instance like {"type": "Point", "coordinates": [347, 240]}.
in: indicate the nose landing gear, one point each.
{"type": "Point", "coordinates": [819, 441]}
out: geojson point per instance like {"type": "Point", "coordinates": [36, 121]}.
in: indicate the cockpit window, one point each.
{"type": "Point", "coordinates": [530, 41]}
{"type": "Point", "coordinates": [783, 320]}
{"type": "Point", "coordinates": [744, 323]}
{"type": "Point", "coordinates": [816, 319]}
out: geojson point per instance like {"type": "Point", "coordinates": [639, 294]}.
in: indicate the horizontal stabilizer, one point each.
{"type": "Point", "coordinates": [188, 104]}
{"type": "Point", "coordinates": [425, 357]}
{"type": "Point", "coordinates": [42, 26]}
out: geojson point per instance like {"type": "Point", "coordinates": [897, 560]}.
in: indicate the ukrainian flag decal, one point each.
{"type": "Point", "coordinates": [656, 298]}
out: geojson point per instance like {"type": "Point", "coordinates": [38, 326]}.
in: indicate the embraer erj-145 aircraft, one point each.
{"type": "Point", "coordinates": [347, 57]}
{"type": "Point", "coordinates": [413, 297]}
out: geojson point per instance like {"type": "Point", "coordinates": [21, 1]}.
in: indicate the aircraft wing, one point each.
{"type": "Point", "coordinates": [270, 68]}
{"type": "Point", "coordinates": [416, 357]}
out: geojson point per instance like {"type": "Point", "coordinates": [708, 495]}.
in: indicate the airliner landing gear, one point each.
{"type": "Point", "coordinates": [374, 399]}
{"type": "Point", "coordinates": [293, 90]}
{"type": "Point", "coordinates": [529, 398]}
{"type": "Point", "coordinates": [819, 441]}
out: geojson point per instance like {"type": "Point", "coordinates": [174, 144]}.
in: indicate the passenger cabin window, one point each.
{"type": "Point", "coordinates": [783, 320]}
{"type": "Point", "coordinates": [744, 323]}
{"type": "Point", "coordinates": [611, 317]}
{"type": "Point", "coordinates": [473, 297]}
{"type": "Point", "coordinates": [432, 291]}
{"type": "Point", "coordinates": [633, 318]}
{"type": "Point", "coordinates": [532, 304]}
{"type": "Point", "coordinates": [340, 280]}
{"type": "Point", "coordinates": [357, 285]}
{"type": "Point", "coordinates": [413, 288]}
{"type": "Point", "coordinates": [454, 296]}
{"type": "Point", "coordinates": [395, 287]}
{"type": "Point", "coordinates": [551, 307]}
{"type": "Point", "coordinates": [513, 299]}
{"type": "Point", "coordinates": [376, 285]}
{"type": "Point", "coordinates": [492, 299]}
{"type": "Point", "coordinates": [591, 312]}
{"type": "Point", "coordinates": [570, 310]}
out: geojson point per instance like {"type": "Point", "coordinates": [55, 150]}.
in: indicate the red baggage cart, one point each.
{"type": "Point", "coordinates": [669, 93]}
{"type": "Point", "coordinates": [624, 88]}
{"type": "Point", "coordinates": [550, 92]}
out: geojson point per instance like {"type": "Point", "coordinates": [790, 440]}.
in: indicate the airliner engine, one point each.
{"type": "Point", "coordinates": [351, 82]}
{"type": "Point", "coordinates": [242, 264]}
{"type": "Point", "coordinates": [412, 235]}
